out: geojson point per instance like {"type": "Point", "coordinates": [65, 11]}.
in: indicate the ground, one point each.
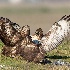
{"type": "Point", "coordinates": [60, 53]}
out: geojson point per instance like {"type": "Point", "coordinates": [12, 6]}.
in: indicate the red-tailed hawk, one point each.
{"type": "Point", "coordinates": [28, 47]}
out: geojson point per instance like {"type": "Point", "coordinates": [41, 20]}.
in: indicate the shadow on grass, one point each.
{"type": "Point", "coordinates": [46, 61]}
{"type": "Point", "coordinates": [57, 57]}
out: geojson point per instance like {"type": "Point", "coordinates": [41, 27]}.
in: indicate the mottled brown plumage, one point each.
{"type": "Point", "coordinates": [18, 40]}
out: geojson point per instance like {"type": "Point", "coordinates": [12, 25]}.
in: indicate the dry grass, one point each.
{"type": "Point", "coordinates": [60, 53]}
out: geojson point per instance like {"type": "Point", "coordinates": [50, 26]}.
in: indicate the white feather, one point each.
{"type": "Point", "coordinates": [56, 36]}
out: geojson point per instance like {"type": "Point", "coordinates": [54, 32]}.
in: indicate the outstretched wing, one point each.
{"type": "Point", "coordinates": [9, 31]}
{"type": "Point", "coordinates": [56, 34]}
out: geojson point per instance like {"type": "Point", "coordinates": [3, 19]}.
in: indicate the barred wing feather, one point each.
{"type": "Point", "coordinates": [58, 32]}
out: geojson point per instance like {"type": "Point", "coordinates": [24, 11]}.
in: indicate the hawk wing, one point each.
{"type": "Point", "coordinates": [57, 33]}
{"type": "Point", "coordinates": [9, 32]}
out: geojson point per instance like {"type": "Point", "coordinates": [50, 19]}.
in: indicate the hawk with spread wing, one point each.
{"type": "Point", "coordinates": [18, 41]}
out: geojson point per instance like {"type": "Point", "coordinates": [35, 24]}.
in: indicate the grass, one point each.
{"type": "Point", "coordinates": [62, 52]}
